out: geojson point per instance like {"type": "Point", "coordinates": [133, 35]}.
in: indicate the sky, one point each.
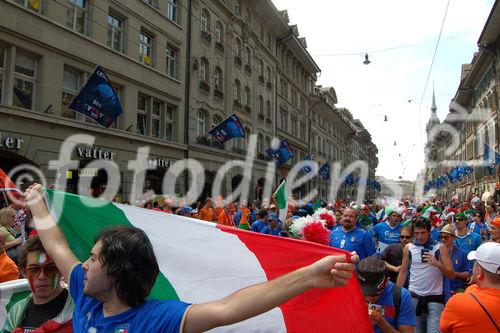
{"type": "Point", "coordinates": [400, 38]}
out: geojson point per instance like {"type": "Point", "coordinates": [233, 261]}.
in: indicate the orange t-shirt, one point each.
{"type": "Point", "coordinates": [206, 214]}
{"type": "Point", "coordinates": [8, 269]}
{"type": "Point", "coordinates": [225, 219]}
{"type": "Point", "coordinates": [244, 212]}
{"type": "Point", "coordinates": [462, 314]}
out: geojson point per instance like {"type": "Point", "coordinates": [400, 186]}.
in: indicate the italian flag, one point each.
{"type": "Point", "coordinates": [201, 261]}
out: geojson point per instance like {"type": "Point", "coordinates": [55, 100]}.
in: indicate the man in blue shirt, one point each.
{"type": "Point", "coordinates": [466, 241]}
{"type": "Point", "coordinates": [274, 226]}
{"type": "Point", "coordinates": [352, 238]}
{"type": "Point", "coordinates": [387, 233]}
{"type": "Point", "coordinates": [111, 287]}
{"type": "Point", "coordinates": [379, 293]}
{"type": "Point", "coordinates": [259, 223]}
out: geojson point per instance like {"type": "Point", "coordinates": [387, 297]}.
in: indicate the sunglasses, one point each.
{"type": "Point", "coordinates": [48, 270]}
{"type": "Point", "coordinates": [445, 237]}
{"type": "Point", "coordinates": [404, 237]}
{"type": "Point", "coordinates": [459, 220]}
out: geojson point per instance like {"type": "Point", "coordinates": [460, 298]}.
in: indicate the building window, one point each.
{"type": "Point", "coordinates": [269, 74]}
{"type": "Point", "coordinates": [269, 41]}
{"type": "Point", "coordinates": [2, 71]}
{"type": "Point", "coordinates": [261, 67]}
{"type": "Point", "coordinates": [156, 118]}
{"type": "Point", "coordinates": [76, 15]}
{"type": "Point", "coordinates": [34, 5]}
{"type": "Point", "coordinates": [171, 62]}
{"type": "Point", "coordinates": [115, 32]}
{"type": "Point", "coordinates": [205, 21]}
{"type": "Point", "coordinates": [260, 143]}
{"type": "Point", "coordinates": [261, 105]}
{"type": "Point", "coordinates": [218, 78]}
{"type": "Point", "coordinates": [24, 81]}
{"type": "Point", "coordinates": [172, 10]}
{"type": "Point", "coordinates": [268, 109]}
{"type": "Point", "coordinates": [294, 126]}
{"type": "Point", "coordinates": [246, 96]}
{"type": "Point", "coordinates": [200, 123]}
{"type": "Point", "coordinates": [219, 32]}
{"type": "Point", "coordinates": [248, 56]}
{"type": "Point", "coordinates": [146, 48]}
{"type": "Point", "coordinates": [237, 91]}
{"type": "Point", "coordinates": [142, 115]}
{"type": "Point", "coordinates": [237, 7]}
{"type": "Point", "coordinates": [216, 120]}
{"type": "Point", "coordinates": [204, 70]}
{"type": "Point", "coordinates": [284, 122]}
{"type": "Point", "coordinates": [72, 80]}
{"type": "Point", "coordinates": [169, 122]}
{"type": "Point", "coordinates": [237, 47]}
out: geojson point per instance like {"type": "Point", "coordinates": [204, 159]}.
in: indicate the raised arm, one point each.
{"type": "Point", "coordinates": [50, 234]}
{"type": "Point", "coordinates": [329, 272]}
{"type": "Point", "coordinates": [403, 269]}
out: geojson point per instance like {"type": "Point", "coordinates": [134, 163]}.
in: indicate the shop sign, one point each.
{"type": "Point", "coordinates": [95, 153]}
{"type": "Point", "coordinates": [158, 162]}
{"type": "Point", "coordinates": [88, 172]}
{"type": "Point", "coordinates": [10, 142]}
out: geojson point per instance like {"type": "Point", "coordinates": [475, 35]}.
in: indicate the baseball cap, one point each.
{"type": "Point", "coordinates": [448, 229]}
{"type": "Point", "coordinates": [272, 216]}
{"type": "Point", "coordinates": [488, 256]}
{"type": "Point", "coordinates": [371, 275]}
{"type": "Point", "coordinates": [188, 210]}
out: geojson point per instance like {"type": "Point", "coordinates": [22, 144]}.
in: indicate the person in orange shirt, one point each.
{"type": "Point", "coordinates": [8, 269]}
{"type": "Point", "coordinates": [206, 213]}
{"type": "Point", "coordinates": [495, 229]}
{"type": "Point", "coordinates": [244, 217]}
{"type": "Point", "coordinates": [477, 310]}
{"type": "Point", "coordinates": [226, 216]}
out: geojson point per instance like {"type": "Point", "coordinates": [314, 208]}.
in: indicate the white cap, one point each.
{"type": "Point", "coordinates": [488, 256]}
{"type": "Point", "coordinates": [475, 200]}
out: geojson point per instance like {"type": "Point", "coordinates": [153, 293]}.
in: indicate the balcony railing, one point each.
{"type": "Point", "coordinates": [237, 104]}
{"type": "Point", "coordinates": [219, 46]}
{"type": "Point", "coordinates": [205, 86]}
{"type": "Point", "coordinates": [248, 69]}
{"type": "Point", "coordinates": [238, 61]}
{"type": "Point", "coordinates": [238, 150]}
{"type": "Point", "coordinates": [268, 121]}
{"type": "Point", "coordinates": [261, 79]}
{"type": "Point", "coordinates": [206, 36]}
{"type": "Point", "coordinates": [209, 142]}
{"type": "Point", "coordinates": [261, 116]}
{"type": "Point", "coordinates": [218, 93]}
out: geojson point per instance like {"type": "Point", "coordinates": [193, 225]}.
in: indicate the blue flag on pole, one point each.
{"type": "Point", "coordinates": [282, 154]}
{"type": "Point", "coordinates": [324, 171]}
{"type": "Point", "coordinates": [228, 129]}
{"type": "Point", "coordinates": [307, 168]}
{"type": "Point", "coordinates": [97, 99]}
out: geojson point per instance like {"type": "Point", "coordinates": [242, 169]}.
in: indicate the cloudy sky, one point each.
{"type": "Point", "coordinates": [400, 38]}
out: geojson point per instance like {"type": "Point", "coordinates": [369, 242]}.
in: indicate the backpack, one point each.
{"type": "Point", "coordinates": [396, 300]}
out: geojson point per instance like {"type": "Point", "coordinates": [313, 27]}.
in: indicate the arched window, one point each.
{"type": "Point", "coordinates": [204, 70]}
{"type": "Point", "coordinates": [248, 56]}
{"type": "Point", "coordinates": [269, 74]}
{"type": "Point", "coordinates": [246, 96]}
{"type": "Point", "coordinates": [261, 67]}
{"type": "Point", "coordinates": [219, 32]}
{"type": "Point", "coordinates": [237, 90]}
{"type": "Point", "coordinates": [205, 21]}
{"type": "Point", "coordinates": [261, 105]}
{"type": "Point", "coordinates": [200, 123]}
{"type": "Point", "coordinates": [218, 78]}
{"type": "Point", "coordinates": [237, 47]}
{"type": "Point", "coordinates": [267, 143]}
{"type": "Point", "coordinates": [237, 7]}
{"type": "Point", "coordinates": [268, 109]}
{"type": "Point", "coordinates": [260, 143]}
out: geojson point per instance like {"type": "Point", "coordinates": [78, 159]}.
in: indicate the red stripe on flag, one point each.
{"type": "Point", "coordinates": [5, 181]}
{"type": "Point", "coordinates": [318, 310]}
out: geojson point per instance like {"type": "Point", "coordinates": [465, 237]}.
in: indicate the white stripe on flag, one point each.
{"type": "Point", "coordinates": [203, 263]}
{"type": "Point", "coordinates": [7, 289]}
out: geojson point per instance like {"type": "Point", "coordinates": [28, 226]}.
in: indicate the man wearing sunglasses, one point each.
{"type": "Point", "coordinates": [466, 241]}
{"type": "Point", "coordinates": [49, 308]}
{"type": "Point", "coordinates": [389, 306]}
{"type": "Point", "coordinates": [459, 261]}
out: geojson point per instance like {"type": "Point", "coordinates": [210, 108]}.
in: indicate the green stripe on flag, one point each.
{"type": "Point", "coordinates": [16, 297]}
{"type": "Point", "coordinates": [281, 195]}
{"type": "Point", "coordinates": [81, 222]}
{"type": "Point", "coordinates": [316, 206]}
